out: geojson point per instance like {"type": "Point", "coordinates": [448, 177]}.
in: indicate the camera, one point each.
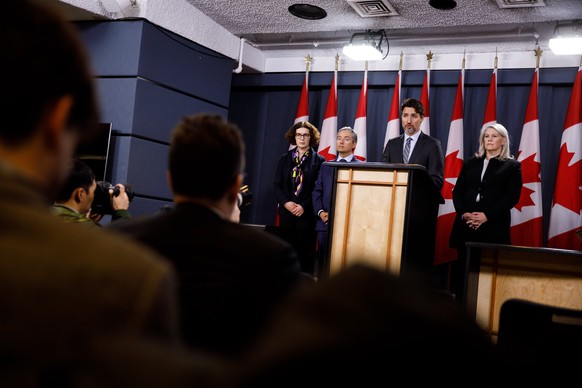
{"type": "Point", "coordinates": [102, 202]}
{"type": "Point", "coordinates": [244, 196]}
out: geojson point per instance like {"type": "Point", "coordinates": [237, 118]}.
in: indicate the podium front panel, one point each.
{"type": "Point", "coordinates": [368, 218]}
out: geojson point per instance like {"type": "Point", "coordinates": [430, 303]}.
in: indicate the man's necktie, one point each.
{"type": "Point", "coordinates": [406, 153]}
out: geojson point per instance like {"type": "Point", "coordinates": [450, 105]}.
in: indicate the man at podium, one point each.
{"type": "Point", "coordinates": [415, 147]}
{"type": "Point", "coordinates": [346, 141]}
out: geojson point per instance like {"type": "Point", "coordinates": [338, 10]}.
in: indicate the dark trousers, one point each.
{"type": "Point", "coordinates": [322, 263]}
{"type": "Point", "coordinates": [458, 276]}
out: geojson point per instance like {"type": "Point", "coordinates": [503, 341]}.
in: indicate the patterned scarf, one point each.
{"type": "Point", "coordinates": [297, 173]}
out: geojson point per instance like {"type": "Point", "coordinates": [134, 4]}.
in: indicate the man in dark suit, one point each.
{"type": "Point", "coordinates": [62, 286]}
{"type": "Point", "coordinates": [346, 141]}
{"type": "Point", "coordinates": [423, 149]}
{"type": "Point", "coordinates": [230, 275]}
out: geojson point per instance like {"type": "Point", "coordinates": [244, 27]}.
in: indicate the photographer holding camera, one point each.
{"type": "Point", "coordinates": [86, 201]}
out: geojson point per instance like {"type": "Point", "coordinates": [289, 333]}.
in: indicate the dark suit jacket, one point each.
{"type": "Point", "coordinates": [427, 152]}
{"type": "Point", "coordinates": [321, 195]}
{"type": "Point", "coordinates": [500, 190]}
{"type": "Point", "coordinates": [63, 285]}
{"type": "Point", "coordinates": [230, 275]}
{"type": "Point", "coordinates": [284, 185]}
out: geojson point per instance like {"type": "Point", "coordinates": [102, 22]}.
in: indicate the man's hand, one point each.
{"type": "Point", "coordinates": [121, 201]}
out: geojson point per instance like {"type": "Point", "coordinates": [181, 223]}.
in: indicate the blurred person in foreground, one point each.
{"type": "Point", "coordinates": [230, 275]}
{"type": "Point", "coordinates": [61, 286]}
{"type": "Point", "coordinates": [365, 327]}
{"type": "Point", "coordinates": [74, 201]}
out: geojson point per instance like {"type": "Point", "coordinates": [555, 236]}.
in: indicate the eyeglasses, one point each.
{"type": "Point", "coordinates": [303, 135]}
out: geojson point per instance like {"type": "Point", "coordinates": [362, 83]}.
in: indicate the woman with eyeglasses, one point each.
{"type": "Point", "coordinates": [294, 182]}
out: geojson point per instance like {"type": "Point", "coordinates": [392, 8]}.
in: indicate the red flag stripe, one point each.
{"type": "Point", "coordinates": [360, 124]}
{"type": "Point", "coordinates": [526, 216]}
{"type": "Point", "coordinates": [452, 168]}
{"type": "Point", "coordinates": [424, 98]}
{"type": "Point", "coordinates": [566, 211]}
{"type": "Point", "coordinates": [393, 126]}
{"type": "Point", "coordinates": [327, 142]}
{"type": "Point", "coordinates": [491, 107]}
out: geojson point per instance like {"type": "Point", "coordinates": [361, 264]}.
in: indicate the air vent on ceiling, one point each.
{"type": "Point", "coordinates": [520, 3]}
{"type": "Point", "coordinates": [373, 8]}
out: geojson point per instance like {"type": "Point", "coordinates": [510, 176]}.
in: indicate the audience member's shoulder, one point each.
{"type": "Point", "coordinates": [351, 326]}
{"type": "Point", "coordinates": [112, 248]}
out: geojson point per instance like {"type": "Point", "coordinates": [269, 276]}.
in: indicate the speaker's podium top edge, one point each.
{"type": "Point", "coordinates": [379, 165]}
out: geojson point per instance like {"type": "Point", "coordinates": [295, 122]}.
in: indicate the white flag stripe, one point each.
{"type": "Point", "coordinates": [567, 220]}
{"type": "Point", "coordinates": [572, 137]}
{"type": "Point", "coordinates": [530, 141]}
{"type": "Point", "coordinates": [392, 130]}
{"type": "Point", "coordinates": [447, 207]}
{"type": "Point", "coordinates": [455, 140]}
{"type": "Point", "coordinates": [300, 119]}
{"type": "Point", "coordinates": [528, 213]}
{"type": "Point", "coordinates": [360, 129]}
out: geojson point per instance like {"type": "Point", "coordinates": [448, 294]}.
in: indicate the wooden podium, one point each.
{"type": "Point", "coordinates": [383, 215]}
{"type": "Point", "coordinates": [498, 273]}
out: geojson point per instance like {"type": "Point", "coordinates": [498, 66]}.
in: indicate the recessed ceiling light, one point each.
{"type": "Point", "coordinates": [443, 4]}
{"type": "Point", "coordinates": [307, 11]}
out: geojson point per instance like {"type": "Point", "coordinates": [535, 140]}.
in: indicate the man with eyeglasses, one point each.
{"type": "Point", "coordinates": [346, 141]}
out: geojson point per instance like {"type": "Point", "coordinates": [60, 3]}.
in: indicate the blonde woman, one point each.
{"type": "Point", "coordinates": [489, 185]}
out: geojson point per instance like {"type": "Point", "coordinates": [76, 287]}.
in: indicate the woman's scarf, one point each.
{"type": "Point", "coordinates": [297, 172]}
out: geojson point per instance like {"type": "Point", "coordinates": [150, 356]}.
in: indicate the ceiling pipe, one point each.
{"type": "Point", "coordinates": [240, 56]}
{"type": "Point", "coordinates": [519, 35]}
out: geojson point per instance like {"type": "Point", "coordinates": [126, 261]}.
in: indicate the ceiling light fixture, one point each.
{"type": "Point", "coordinates": [567, 39]}
{"type": "Point", "coordinates": [443, 4]}
{"type": "Point", "coordinates": [307, 11]}
{"type": "Point", "coordinates": [367, 46]}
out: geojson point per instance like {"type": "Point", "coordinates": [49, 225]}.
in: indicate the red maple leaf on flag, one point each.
{"type": "Point", "coordinates": [567, 192]}
{"type": "Point", "coordinates": [525, 198]}
{"type": "Point", "coordinates": [453, 166]}
{"type": "Point", "coordinates": [530, 169]}
{"type": "Point", "coordinates": [530, 172]}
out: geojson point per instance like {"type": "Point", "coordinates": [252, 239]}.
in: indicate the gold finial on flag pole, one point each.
{"type": "Point", "coordinates": [538, 54]}
{"type": "Point", "coordinates": [308, 60]}
{"type": "Point", "coordinates": [429, 57]}
{"type": "Point", "coordinates": [463, 63]}
{"type": "Point", "coordinates": [337, 59]}
{"type": "Point", "coordinates": [400, 66]}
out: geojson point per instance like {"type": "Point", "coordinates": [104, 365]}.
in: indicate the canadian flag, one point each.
{"type": "Point", "coordinates": [566, 211]}
{"type": "Point", "coordinates": [303, 107]}
{"type": "Point", "coordinates": [526, 216]}
{"type": "Point", "coordinates": [393, 127]}
{"type": "Point", "coordinates": [301, 115]}
{"type": "Point", "coordinates": [453, 165]}
{"type": "Point", "coordinates": [360, 125]}
{"type": "Point", "coordinates": [491, 107]}
{"type": "Point", "coordinates": [327, 143]}
{"type": "Point", "coordinates": [424, 98]}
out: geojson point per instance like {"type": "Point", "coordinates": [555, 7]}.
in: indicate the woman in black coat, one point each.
{"type": "Point", "coordinates": [295, 177]}
{"type": "Point", "coordinates": [489, 185]}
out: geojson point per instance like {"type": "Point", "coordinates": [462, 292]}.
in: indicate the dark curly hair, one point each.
{"type": "Point", "coordinates": [313, 132]}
